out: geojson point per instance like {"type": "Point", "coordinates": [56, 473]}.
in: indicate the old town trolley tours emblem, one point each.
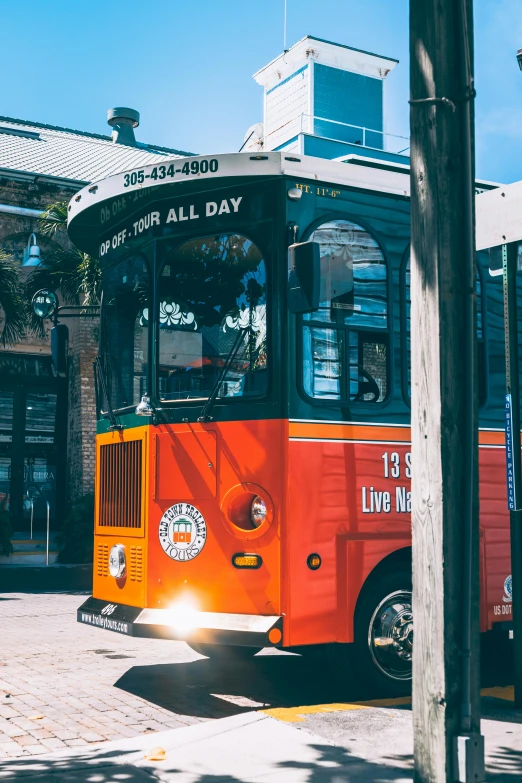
{"type": "Point", "coordinates": [182, 532]}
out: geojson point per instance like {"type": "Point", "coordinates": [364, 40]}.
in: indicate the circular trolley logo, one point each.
{"type": "Point", "coordinates": [508, 590]}
{"type": "Point", "coordinates": [182, 532]}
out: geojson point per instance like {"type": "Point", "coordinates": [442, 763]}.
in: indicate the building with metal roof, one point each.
{"type": "Point", "coordinates": [32, 148]}
{"type": "Point", "coordinates": [47, 422]}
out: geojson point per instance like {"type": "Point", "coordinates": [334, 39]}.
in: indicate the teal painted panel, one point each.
{"type": "Point", "coordinates": [329, 148]}
{"type": "Point", "coordinates": [347, 97]}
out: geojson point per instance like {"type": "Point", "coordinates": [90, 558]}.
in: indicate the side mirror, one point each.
{"type": "Point", "coordinates": [59, 348]}
{"type": "Point", "coordinates": [303, 277]}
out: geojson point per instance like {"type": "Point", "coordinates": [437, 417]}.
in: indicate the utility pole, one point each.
{"type": "Point", "coordinates": [446, 709]}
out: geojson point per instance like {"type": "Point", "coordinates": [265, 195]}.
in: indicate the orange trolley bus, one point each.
{"type": "Point", "coordinates": [253, 449]}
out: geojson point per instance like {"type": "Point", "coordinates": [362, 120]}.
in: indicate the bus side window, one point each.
{"type": "Point", "coordinates": [345, 341]}
{"type": "Point", "coordinates": [481, 342]}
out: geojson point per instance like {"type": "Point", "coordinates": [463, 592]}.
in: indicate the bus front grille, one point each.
{"type": "Point", "coordinates": [102, 560]}
{"type": "Point", "coordinates": [136, 564]}
{"type": "Point", "coordinates": [120, 484]}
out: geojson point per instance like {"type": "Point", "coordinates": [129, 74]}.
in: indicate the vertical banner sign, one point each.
{"type": "Point", "coordinates": [512, 396]}
{"type": "Point", "coordinates": [510, 473]}
{"type": "Point", "coordinates": [512, 422]}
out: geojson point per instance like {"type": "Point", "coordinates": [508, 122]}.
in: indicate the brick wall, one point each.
{"type": "Point", "coordinates": [83, 333]}
{"type": "Point", "coordinates": [83, 346]}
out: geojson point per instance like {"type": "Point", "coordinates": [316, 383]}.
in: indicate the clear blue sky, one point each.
{"type": "Point", "coordinates": [187, 65]}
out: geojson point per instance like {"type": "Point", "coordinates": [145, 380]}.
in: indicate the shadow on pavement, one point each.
{"type": "Point", "coordinates": [332, 764]}
{"type": "Point", "coordinates": [206, 689]}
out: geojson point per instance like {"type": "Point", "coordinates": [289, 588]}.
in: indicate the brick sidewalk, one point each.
{"type": "Point", "coordinates": [60, 681]}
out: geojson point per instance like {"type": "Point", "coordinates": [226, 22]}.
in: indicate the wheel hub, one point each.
{"type": "Point", "coordinates": [390, 635]}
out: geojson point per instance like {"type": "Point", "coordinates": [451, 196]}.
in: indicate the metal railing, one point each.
{"type": "Point", "coordinates": [47, 529]}
{"type": "Point", "coordinates": [354, 134]}
{"type": "Point", "coordinates": [47, 540]}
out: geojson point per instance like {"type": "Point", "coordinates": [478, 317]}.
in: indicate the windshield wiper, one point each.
{"type": "Point", "coordinates": [101, 374]}
{"type": "Point", "coordinates": [207, 407]}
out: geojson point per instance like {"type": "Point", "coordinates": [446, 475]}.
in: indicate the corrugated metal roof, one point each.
{"type": "Point", "coordinates": [51, 151]}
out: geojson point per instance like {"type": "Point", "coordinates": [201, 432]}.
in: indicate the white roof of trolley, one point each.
{"type": "Point", "coordinates": [240, 164]}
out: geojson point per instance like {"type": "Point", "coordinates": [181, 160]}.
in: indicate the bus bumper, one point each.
{"type": "Point", "coordinates": [246, 630]}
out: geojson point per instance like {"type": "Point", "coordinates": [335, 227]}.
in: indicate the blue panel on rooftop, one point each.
{"type": "Point", "coordinates": [342, 96]}
{"type": "Point", "coordinates": [327, 148]}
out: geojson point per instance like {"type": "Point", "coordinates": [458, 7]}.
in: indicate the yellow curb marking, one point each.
{"type": "Point", "coordinates": [297, 714]}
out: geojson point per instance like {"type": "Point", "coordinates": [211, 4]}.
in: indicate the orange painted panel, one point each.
{"type": "Point", "coordinates": [186, 465]}
{"type": "Point", "coordinates": [246, 453]}
{"type": "Point", "coordinates": [345, 504]}
{"type": "Point", "coordinates": [328, 493]}
{"type": "Point", "coordinates": [132, 588]}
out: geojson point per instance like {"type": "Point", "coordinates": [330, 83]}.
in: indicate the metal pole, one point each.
{"type": "Point", "coordinates": [284, 30]}
{"type": "Point", "coordinates": [47, 544]}
{"type": "Point", "coordinates": [513, 467]}
{"type": "Point", "coordinates": [32, 511]}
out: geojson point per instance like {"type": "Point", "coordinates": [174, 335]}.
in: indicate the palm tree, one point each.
{"type": "Point", "coordinates": [76, 274]}
{"type": "Point", "coordinates": [12, 301]}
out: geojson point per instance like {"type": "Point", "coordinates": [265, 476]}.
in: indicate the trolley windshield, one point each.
{"type": "Point", "coordinates": [206, 317]}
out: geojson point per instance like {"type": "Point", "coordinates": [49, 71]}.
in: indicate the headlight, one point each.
{"type": "Point", "coordinates": [258, 511]}
{"type": "Point", "coordinates": [117, 561]}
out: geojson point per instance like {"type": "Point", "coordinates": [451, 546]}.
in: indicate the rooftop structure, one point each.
{"type": "Point", "coordinates": [326, 99]}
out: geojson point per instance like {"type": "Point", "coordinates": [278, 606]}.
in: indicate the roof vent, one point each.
{"type": "Point", "coordinates": [123, 121]}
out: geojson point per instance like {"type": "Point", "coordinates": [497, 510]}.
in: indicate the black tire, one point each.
{"type": "Point", "coordinates": [383, 613]}
{"type": "Point", "coordinates": [224, 653]}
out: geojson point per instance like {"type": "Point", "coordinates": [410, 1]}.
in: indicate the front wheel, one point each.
{"type": "Point", "coordinates": [224, 653]}
{"type": "Point", "coordinates": [381, 655]}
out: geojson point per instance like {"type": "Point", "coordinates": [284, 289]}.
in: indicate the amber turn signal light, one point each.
{"type": "Point", "coordinates": [313, 561]}
{"type": "Point", "coordinates": [275, 636]}
{"type": "Point", "coordinates": [243, 560]}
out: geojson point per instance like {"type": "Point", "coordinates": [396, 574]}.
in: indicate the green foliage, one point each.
{"type": "Point", "coordinates": [76, 538]}
{"type": "Point", "coordinates": [6, 530]}
{"type": "Point", "coordinates": [53, 219]}
{"type": "Point", "coordinates": [76, 274]}
{"type": "Point", "coordinates": [11, 301]}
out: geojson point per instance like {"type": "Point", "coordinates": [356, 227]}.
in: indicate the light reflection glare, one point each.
{"type": "Point", "coordinates": [183, 615]}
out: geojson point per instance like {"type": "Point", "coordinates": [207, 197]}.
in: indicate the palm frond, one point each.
{"type": "Point", "coordinates": [76, 274]}
{"type": "Point", "coordinates": [11, 300]}
{"type": "Point", "coordinates": [60, 270]}
{"type": "Point", "coordinates": [54, 218]}
{"type": "Point", "coordinates": [91, 279]}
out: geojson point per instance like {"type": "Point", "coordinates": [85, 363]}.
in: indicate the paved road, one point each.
{"type": "Point", "coordinates": [64, 684]}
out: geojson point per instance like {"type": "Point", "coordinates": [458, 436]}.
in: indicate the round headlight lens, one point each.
{"type": "Point", "coordinates": [117, 561]}
{"type": "Point", "coordinates": [258, 511]}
